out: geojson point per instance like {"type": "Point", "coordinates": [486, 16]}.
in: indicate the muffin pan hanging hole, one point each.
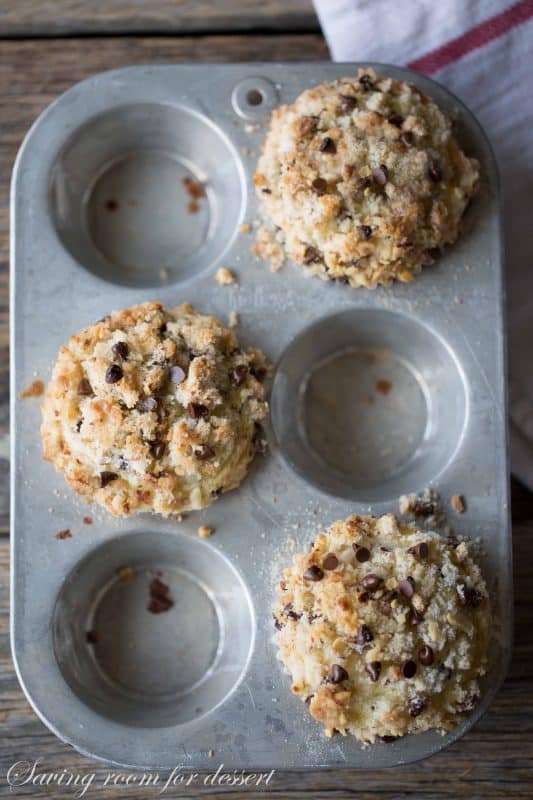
{"type": "Point", "coordinates": [152, 629]}
{"type": "Point", "coordinates": [253, 98]}
{"type": "Point", "coordinates": [146, 195]}
{"type": "Point", "coordinates": [368, 404]}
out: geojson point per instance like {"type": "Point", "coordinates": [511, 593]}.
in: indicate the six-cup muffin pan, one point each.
{"type": "Point", "coordinates": [101, 221]}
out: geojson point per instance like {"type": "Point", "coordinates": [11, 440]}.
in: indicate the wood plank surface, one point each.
{"type": "Point", "coordinates": [492, 761]}
{"type": "Point", "coordinates": [68, 17]}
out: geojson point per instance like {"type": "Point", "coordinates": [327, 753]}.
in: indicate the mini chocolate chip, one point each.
{"type": "Point", "coordinates": [337, 674]}
{"type": "Point", "coordinates": [289, 612]}
{"type": "Point", "coordinates": [259, 373]}
{"type": "Point", "coordinates": [107, 477]}
{"type": "Point", "coordinates": [407, 138]}
{"type": "Point", "coordinates": [364, 231]}
{"type": "Point", "coordinates": [366, 82]}
{"type": "Point", "coordinates": [362, 554]}
{"type": "Point", "coordinates": [425, 655]}
{"type": "Point", "coordinates": [84, 388]}
{"type": "Point", "coordinates": [307, 125]}
{"type": "Point", "coordinates": [204, 452]}
{"type": "Point", "coordinates": [266, 191]}
{"type": "Point", "coordinates": [432, 254]}
{"type": "Point", "coordinates": [468, 703]}
{"type": "Point", "coordinates": [371, 582]}
{"type": "Point", "coordinates": [347, 104]}
{"type": "Point", "coordinates": [435, 172]}
{"type": "Point", "coordinates": [238, 374]}
{"type": "Point", "coordinates": [420, 550]}
{"type": "Point", "coordinates": [388, 739]}
{"type": "Point", "coordinates": [384, 604]}
{"type": "Point", "coordinates": [415, 617]}
{"type": "Point", "coordinates": [407, 587]}
{"type": "Point", "coordinates": [380, 174]}
{"type": "Point", "coordinates": [469, 596]}
{"type": "Point", "coordinates": [374, 669]}
{"type": "Point", "coordinates": [157, 449]}
{"type": "Point", "coordinates": [364, 635]}
{"type": "Point", "coordinates": [308, 699]}
{"type": "Point", "coordinates": [363, 183]}
{"type": "Point", "coordinates": [364, 597]}
{"type": "Point", "coordinates": [327, 145]}
{"type": "Point", "coordinates": [278, 626]}
{"type": "Point", "coordinates": [423, 508]}
{"type": "Point", "coordinates": [313, 573]}
{"type": "Point", "coordinates": [416, 706]}
{"type": "Point", "coordinates": [120, 350]}
{"type": "Point", "coordinates": [176, 375]}
{"type": "Point", "coordinates": [146, 404]}
{"type": "Point", "coordinates": [408, 669]}
{"type": "Point", "coordinates": [259, 441]}
{"type": "Point", "coordinates": [320, 185]}
{"type": "Point", "coordinates": [330, 561]}
{"type": "Point", "coordinates": [311, 255]}
{"type": "Point", "coordinates": [197, 410]}
{"type": "Point", "coordinates": [162, 328]}
{"type": "Point", "coordinates": [385, 601]}
{"type": "Point", "coordinates": [113, 373]}
{"type": "Point", "coordinates": [396, 120]}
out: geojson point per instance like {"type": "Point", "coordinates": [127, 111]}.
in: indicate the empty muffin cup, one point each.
{"type": "Point", "coordinates": [152, 629]}
{"type": "Point", "coordinates": [145, 195]}
{"type": "Point", "coordinates": [368, 404]}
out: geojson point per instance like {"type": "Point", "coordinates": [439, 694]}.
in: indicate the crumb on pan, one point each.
{"type": "Point", "coordinates": [125, 573]}
{"type": "Point", "coordinates": [224, 276]}
{"type": "Point", "coordinates": [458, 503]}
{"type": "Point", "coordinates": [35, 389]}
{"type": "Point", "coordinates": [425, 505]}
{"type": "Point", "coordinates": [268, 247]}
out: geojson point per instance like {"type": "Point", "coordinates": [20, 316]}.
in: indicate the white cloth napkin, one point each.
{"type": "Point", "coordinates": [483, 51]}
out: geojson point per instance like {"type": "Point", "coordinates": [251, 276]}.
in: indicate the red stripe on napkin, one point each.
{"type": "Point", "coordinates": [476, 37]}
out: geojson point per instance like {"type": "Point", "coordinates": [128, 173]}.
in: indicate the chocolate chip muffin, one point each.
{"type": "Point", "coordinates": [361, 181]}
{"type": "Point", "coordinates": [154, 409]}
{"type": "Point", "coordinates": [384, 628]}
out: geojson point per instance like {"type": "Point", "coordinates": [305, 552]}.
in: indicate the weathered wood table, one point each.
{"type": "Point", "coordinates": [45, 47]}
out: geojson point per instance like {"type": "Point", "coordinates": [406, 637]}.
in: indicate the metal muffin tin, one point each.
{"type": "Point", "coordinates": [100, 222]}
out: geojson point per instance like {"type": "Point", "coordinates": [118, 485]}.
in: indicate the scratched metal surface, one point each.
{"type": "Point", "coordinates": [259, 724]}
